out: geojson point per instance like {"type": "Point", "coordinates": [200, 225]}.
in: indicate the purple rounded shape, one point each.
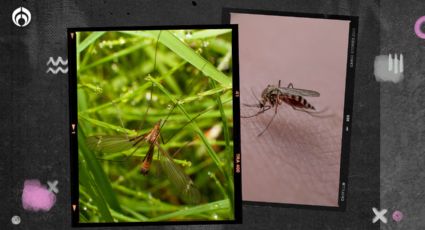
{"type": "Point", "coordinates": [418, 25]}
{"type": "Point", "coordinates": [397, 216]}
{"type": "Point", "coordinates": [37, 197]}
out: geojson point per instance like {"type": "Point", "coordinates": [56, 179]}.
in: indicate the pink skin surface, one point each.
{"type": "Point", "coordinates": [297, 160]}
{"type": "Point", "coordinates": [37, 197]}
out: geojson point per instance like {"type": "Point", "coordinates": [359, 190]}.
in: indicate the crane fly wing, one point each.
{"type": "Point", "coordinates": [109, 143]}
{"type": "Point", "coordinates": [188, 192]}
{"type": "Point", "coordinates": [299, 92]}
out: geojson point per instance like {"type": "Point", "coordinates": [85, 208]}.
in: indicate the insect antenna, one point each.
{"type": "Point", "coordinates": [254, 105]}
{"type": "Point", "coordinates": [152, 84]}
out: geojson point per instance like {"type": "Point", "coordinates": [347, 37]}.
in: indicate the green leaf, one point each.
{"type": "Point", "coordinates": [184, 51]}
{"type": "Point", "coordinates": [89, 40]}
{"type": "Point", "coordinates": [202, 34]}
{"type": "Point", "coordinates": [101, 180]}
{"type": "Point", "coordinates": [204, 139]}
{"type": "Point", "coordinates": [195, 210]}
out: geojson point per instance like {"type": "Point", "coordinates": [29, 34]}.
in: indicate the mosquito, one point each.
{"type": "Point", "coordinates": [118, 143]}
{"type": "Point", "coordinates": [273, 96]}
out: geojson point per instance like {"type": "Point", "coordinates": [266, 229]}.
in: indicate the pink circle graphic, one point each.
{"type": "Point", "coordinates": [418, 25]}
{"type": "Point", "coordinates": [397, 216]}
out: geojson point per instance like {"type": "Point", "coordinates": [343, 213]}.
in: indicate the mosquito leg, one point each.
{"type": "Point", "coordinates": [279, 84]}
{"type": "Point", "coordinates": [290, 85]}
{"type": "Point", "coordinates": [184, 146]}
{"type": "Point", "coordinates": [264, 109]}
{"type": "Point", "coordinates": [193, 118]}
{"type": "Point", "coordinates": [147, 108]}
{"type": "Point", "coordinates": [151, 89]}
{"type": "Point", "coordinates": [275, 112]}
{"type": "Point", "coordinates": [252, 105]}
{"type": "Point", "coordinates": [119, 117]}
{"type": "Point", "coordinates": [277, 104]}
{"type": "Point", "coordinates": [122, 160]}
{"type": "Point", "coordinates": [269, 122]}
{"type": "Point", "coordinates": [172, 109]}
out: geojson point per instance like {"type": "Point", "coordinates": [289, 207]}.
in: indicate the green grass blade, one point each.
{"type": "Point", "coordinates": [89, 40]}
{"type": "Point", "coordinates": [114, 55]}
{"type": "Point", "coordinates": [107, 125]}
{"type": "Point", "coordinates": [204, 139]}
{"type": "Point", "coordinates": [89, 184]}
{"type": "Point", "coordinates": [129, 95]}
{"type": "Point", "coordinates": [102, 182]}
{"type": "Point", "coordinates": [229, 174]}
{"type": "Point", "coordinates": [195, 210]}
{"type": "Point", "coordinates": [223, 117]}
{"type": "Point", "coordinates": [202, 34]}
{"type": "Point", "coordinates": [210, 92]}
{"type": "Point", "coordinates": [184, 51]}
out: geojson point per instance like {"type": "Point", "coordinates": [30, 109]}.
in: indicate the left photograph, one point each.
{"type": "Point", "coordinates": [153, 133]}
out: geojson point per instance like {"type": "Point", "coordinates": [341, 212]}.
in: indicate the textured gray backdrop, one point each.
{"type": "Point", "coordinates": [387, 124]}
{"type": "Point", "coordinates": [402, 117]}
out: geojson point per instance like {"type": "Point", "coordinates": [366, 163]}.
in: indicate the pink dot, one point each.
{"type": "Point", "coordinates": [397, 216]}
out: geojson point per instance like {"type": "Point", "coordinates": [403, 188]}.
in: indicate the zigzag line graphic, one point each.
{"type": "Point", "coordinates": [56, 63]}
{"type": "Point", "coordinates": [55, 71]}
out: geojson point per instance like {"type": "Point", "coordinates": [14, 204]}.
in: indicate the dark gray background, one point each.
{"type": "Point", "coordinates": [402, 117]}
{"type": "Point", "coordinates": [387, 124]}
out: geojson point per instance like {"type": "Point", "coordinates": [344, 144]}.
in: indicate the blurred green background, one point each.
{"type": "Point", "coordinates": [127, 81]}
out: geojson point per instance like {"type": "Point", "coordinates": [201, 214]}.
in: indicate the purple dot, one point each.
{"type": "Point", "coordinates": [397, 216]}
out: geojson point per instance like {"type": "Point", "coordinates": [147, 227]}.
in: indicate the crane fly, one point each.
{"type": "Point", "coordinates": [118, 143]}
{"type": "Point", "coordinates": [273, 96]}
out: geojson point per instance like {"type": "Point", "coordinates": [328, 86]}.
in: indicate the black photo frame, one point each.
{"type": "Point", "coordinates": [348, 100]}
{"type": "Point", "coordinates": [75, 127]}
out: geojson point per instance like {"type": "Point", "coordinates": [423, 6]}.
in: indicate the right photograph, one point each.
{"type": "Point", "coordinates": [296, 87]}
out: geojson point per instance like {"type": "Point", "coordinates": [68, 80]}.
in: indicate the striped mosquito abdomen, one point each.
{"type": "Point", "coordinates": [297, 101]}
{"type": "Point", "coordinates": [152, 138]}
{"type": "Point", "coordinates": [147, 161]}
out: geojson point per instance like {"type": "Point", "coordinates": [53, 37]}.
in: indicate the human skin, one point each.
{"type": "Point", "coordinates": [297, 159]}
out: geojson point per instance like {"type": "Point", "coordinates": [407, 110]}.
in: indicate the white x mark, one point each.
{"type": "Point", "coordinates": [52, 186]}
{"type": "Point", "coordinates": [379, 215]}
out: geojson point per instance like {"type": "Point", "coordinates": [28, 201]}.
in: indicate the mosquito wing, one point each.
{"type": "Point", "coordinates": [109, 143]}
{"type": "Point", "coordinates": [299, 92]}
{"type": "Point", "coordinates": [188, 192]}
